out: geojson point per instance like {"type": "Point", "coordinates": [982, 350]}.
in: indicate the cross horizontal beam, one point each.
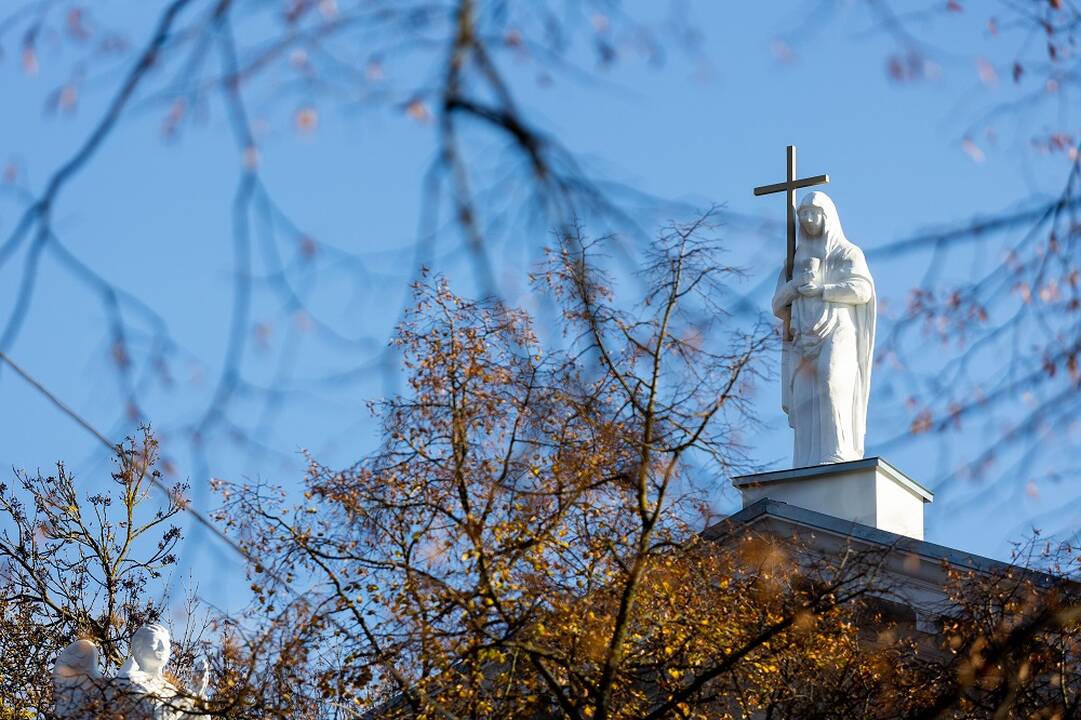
{"type": "Point", "coordinates": [795, 185]}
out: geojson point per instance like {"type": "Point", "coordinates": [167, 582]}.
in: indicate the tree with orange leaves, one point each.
{"type": "Point", "coordinates": [526, 543]}
{"type": "Point", "coordinates": [523, 544]}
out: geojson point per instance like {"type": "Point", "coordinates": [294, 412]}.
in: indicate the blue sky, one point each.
{"type": "Point", "coordinates": [154, 218]}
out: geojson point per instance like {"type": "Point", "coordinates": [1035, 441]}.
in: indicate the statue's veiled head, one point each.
{"type": "Point", "coordinates": [818, 217]}
{"type": "Point", "coordinates": [812, 219]}
{"type": "Point", "coordinates": [150, 647]}
{"type": "Point", "coordinates": [77, 660]}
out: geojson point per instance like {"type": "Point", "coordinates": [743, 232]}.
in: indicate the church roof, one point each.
{"type": "Point", "coordinates": [767, 512]}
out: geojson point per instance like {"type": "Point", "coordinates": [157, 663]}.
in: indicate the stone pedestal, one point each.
{"type": "Point", "coordinates": [868, 491]}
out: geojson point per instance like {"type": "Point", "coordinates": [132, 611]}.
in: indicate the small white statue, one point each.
{"type": "Point", "coordinates": [79, 689]}
{"type": "Point", "coordinates": [141, 691]}
{"type": "Point", "coordinates": [826, 367]}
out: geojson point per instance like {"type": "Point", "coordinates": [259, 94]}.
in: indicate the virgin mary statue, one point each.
{"type": "Point", "coordinates": [826, 365]}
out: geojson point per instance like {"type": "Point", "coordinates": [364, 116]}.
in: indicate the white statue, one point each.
{"type": "Point", "coordinates": [826, 367]}
{"type": "Point", "coordinates": [79, 689]}
{"type": "Point", "coordinates": [141, 691]}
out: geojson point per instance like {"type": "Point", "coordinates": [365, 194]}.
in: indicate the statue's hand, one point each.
{"type": "Point", "coordinates": [789, 291]}
{"type": "Point", "coordinates": [811, 288]}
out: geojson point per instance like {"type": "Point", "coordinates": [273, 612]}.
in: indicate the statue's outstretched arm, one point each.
{"type": "Point", "coordinates": [201, 676]}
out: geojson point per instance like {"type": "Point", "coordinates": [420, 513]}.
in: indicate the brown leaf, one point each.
{"type": "Point", "coordinates": [306, 120]}
{"type": "Point", "coordinates": [922, 422]}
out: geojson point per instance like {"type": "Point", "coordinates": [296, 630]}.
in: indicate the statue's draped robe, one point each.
{"type": "Point", "coordinates": [141, 695]}
{"type": "Point", "coordinates": [826, 368]}
{"type": "Point", "coordinates": [138, 695]}
{"type": "Point", "coordinates": [79, 698]}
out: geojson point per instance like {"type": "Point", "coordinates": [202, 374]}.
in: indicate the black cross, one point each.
{"type": "Point", "coordinates": [790, 186]}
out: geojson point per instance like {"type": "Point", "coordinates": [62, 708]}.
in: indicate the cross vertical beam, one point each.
{"type": "Point", "coordinates": [789, 187]}
{"type": "Point", "coordinates": [790, 256]}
